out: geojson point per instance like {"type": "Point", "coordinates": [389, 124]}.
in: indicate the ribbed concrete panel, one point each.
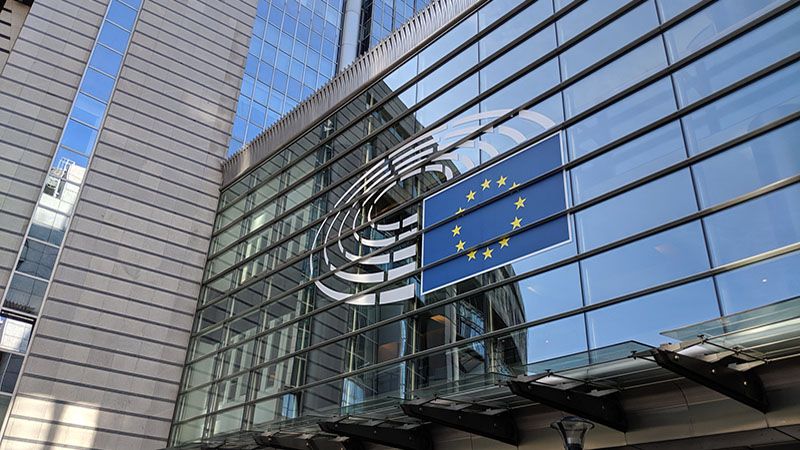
{"type": "Point", "coordinates": [37, 85]}
{"type": "Point", "coordinates": [105, 364]}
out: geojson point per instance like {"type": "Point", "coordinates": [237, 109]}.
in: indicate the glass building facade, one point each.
{"type": "Point", "coordinates": [677, 126]}
{"type": "Point", "coordinates": [381, 17]}
{"type": "Point", "coordinates": [293, 51]}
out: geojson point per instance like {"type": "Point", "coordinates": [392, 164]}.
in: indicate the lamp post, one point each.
{"type": "Point", "coordinates": [572, 430]}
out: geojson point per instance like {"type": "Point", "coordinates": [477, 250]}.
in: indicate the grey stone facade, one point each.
{"type": "Point", "coordinates": [104, 366]}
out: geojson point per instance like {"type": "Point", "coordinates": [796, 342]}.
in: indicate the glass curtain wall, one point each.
{"type": "Point", "coordinates": [293, 50]}
{"type": "Point", "coordinates": [677, 123]}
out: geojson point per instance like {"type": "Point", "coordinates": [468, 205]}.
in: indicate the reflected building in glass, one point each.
{"type": "Point", "coordinates": [658, 191]}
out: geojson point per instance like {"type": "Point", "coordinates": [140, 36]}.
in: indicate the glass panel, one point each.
{"type": "Point", "coordinates": [88, 110]}
{"type": "Point", "coordinates": [80, 137]}
{"type": "Point", "coordinates": [25, 294]}
{"type": "Point", "coordinates": [711, 23]}
{"type": "Point", "coordinates": [515, 27]}
{"type": "Point", "coordinates": [621, 118]}
{"type": "Point", "coordinates": [749, 166]}
{"type": "Point", "coordinates": [634, 23]}
{"type": "Point", "coordinates": [228, 421]}
{"type": "Point", "coordinates": [541, 342]}
{"type": "Point", "coordinates": [644, 318]}
{"type": "Point", "coordinates": [645, 207]}
{"type": "Point", "coordinates": [97, 85]}
{"type": "Point", "coordinates": [762, 102]}
{"type": "Point", "coordinates": [10, 366]}
{"type": "Point", "coordinates": [757, 49]}
{"type": "Point", "coordinates": [37, 259]}
{"type": "Point", "coordinates": [671, 8]}
{"type": "Point", "coordinates": [763, 224]}
{"type": "Point", "coordinates": [48, 226]}
{"type": "Point", "coordinates": [106, 60]}
{"type": "Point", "coordinates": [615, 77]}
{"type": "Point", "coordinates": [666, 256]}
{"type": "Point", "coordinates": [759, 284]}
{"type": "Point", "coordinates": [584, 16]}
{"type": "Point", "coordinates": [15, 334]}
{"type": "Point", "coordinates": [121, 14]}
{"type": "Point", "coordinates": [550, 293]}
{"type": "Point", "coordinates": [114, 37]}
{"type": "Point", "coordinates": [629, 162]}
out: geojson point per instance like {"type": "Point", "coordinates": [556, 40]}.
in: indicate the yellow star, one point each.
{"type": "Point", "coordinates": [460, 210]}
{"type": "Point", "coordinates": [516, 223]}
{"type": "Point", "coordinates": [514, 185]}
{"type": "Point", "coordinates": [487, 253]}
{"type": "Point", "coordinates": [503, 242]}
{"type": "Point", "coordinates": [501, 181]}
{"type": "Point", "coordinates": [471, 255]}
{"type": "Point", "coordinates": [486, 184]}
{"type": "Point", "coordinates": [456, 231]}
{"type": "Point", "coordinates": [520, 203]}
{"type": "Point", "coordinates": [471, 196]}
{"type": "Point", "coordinates": [460, 246]}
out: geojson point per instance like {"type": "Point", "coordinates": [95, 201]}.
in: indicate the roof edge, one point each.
{"type": "Point", "coordinates": [415, 33]}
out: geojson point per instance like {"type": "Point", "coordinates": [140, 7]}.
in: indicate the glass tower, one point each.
{"type": "Point", "coordinates": [677, 125]}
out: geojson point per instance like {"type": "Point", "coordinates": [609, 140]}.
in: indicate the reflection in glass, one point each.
{"type": "Point", "coordinates": [605, 41]}
{"type": "Point", "coordinates": [755, 50]}
{"type": "Point", "coordinates": [106, 60]}
{"type": "Point", "coordinates": [644, 318]}
{"type": "Point", "coordinates": [15, 334]}
{"type": "Point", "coordinates": [97, 85]}
{"type": "Point", "coordinates": [551, 292]}
{"type": "Point", "coordinates": [759, 284]}
{"type": "Point", "coordinates": [88, 110]}
{"type": "Point", "coordinates": [25, 294]}
{"type": "Point", "coordinates": [114, 37]}
{"type": "Point", "coordinates": [628, 162]}
{"type": "Point", "coordinates": [48, 226]}
{"type": "Point", "coordinates": [666, 256]}
{"type": "Point", "coordinates": [10, 366]}
{"type": "Point", "coordinates": [749, 166]}
{"type": "Point", "coordinates": [645, 207]}
{"type": "Point", "coordinates": [121, 14]}
{"type": "Point", "coordinates": [79, 137]}
{"type": "Point", "coordinates": [37, 259]}
{"type": "Point", "coordinates": [711, 23]}
{"type": "Point", "coordinates": [757, 226]}
{"type": "Point", "coordinates": [629, 114]}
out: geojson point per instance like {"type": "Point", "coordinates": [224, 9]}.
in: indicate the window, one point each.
{"type": "Point", "coordinates": [760, 284]}
{"type": "Point", "coordinates": [644, 319]}
{"type": "Point", "coordinates": [666, 256]}
{"type": "Point", "coordinates": [629, 162]}
{"type": "Point", "coordinates": [757, 226]}
{"type": "Point", "coordinates": [762, 102]}
{"type": "Point", "coordinates": [749, 166]}
{"type": "Point", "coordinates": [647, 206]}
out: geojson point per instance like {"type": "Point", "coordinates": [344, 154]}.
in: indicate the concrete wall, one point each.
{"type": "Point", "coordinates": [104, 366]}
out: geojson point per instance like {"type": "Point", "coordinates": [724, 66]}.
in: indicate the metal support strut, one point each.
{"type": "Point", "coordinates": [400, 435]}
{"type": "Point", "coordinates": [493, 423]}
{"type": "Point", "coordinates": [605, 409]}
{"type": "Point", "coordinates": [744, 387]}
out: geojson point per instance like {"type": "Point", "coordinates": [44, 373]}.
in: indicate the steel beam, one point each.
{"type": "Point", "coordinates": [493, 423]}
{"type": "Point", "coordinates": [744, 387]}
{"type": "Point", "coordinates": [402, 436]}
{"type": "Point", "coordinates": [307, 441]}
{"type": "Point", "coordinates": [605, 410]}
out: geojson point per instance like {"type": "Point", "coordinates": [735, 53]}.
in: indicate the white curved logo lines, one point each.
{"type": "Point", "coordinates": [375, 264]}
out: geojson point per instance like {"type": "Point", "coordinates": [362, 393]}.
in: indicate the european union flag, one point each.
{"type": "Point", "coordinates": [472, 221]}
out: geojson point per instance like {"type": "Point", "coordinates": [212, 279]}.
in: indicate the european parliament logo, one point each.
{"type": "Point", "coordinates": [359, 266]}
{"type": "Point", "coordinates": [503, 213]}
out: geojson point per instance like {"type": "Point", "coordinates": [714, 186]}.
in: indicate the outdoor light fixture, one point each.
{"type": "Point", "coordinates": [572, 430]}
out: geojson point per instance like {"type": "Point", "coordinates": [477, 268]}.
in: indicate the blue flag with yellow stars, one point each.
{"type": "Point", "coordinates": [493, 217]}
